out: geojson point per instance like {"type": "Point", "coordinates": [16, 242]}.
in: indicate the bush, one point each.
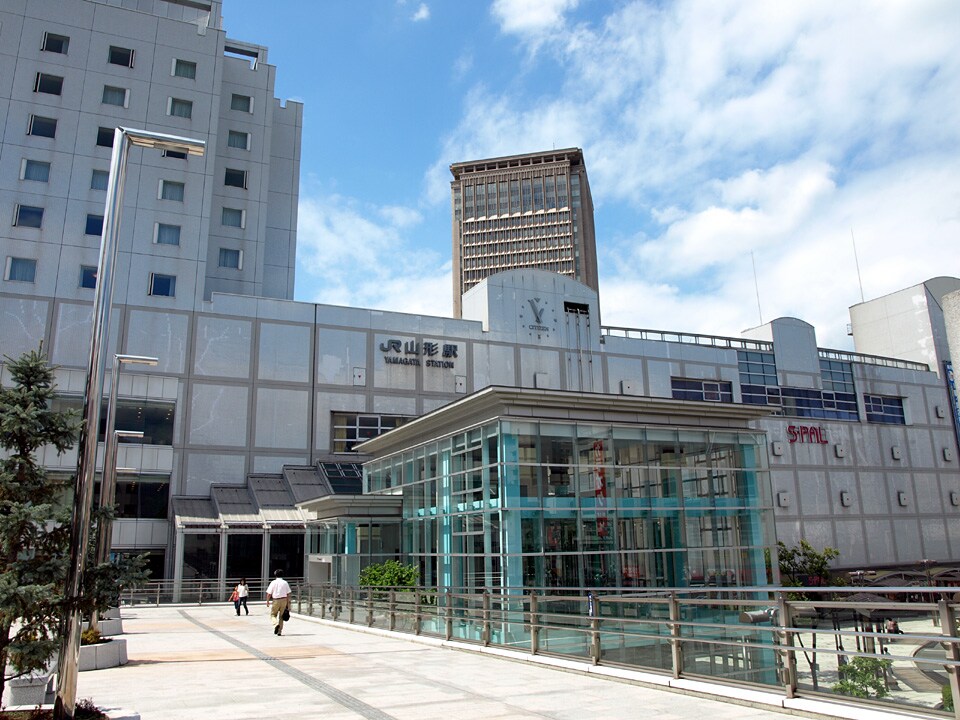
{"type": "Point", "coordinates": [863, 677]}
{"type": "Point", "coordinates": [946, 694]}
{"type": "Point", "coordinates": [389, 574]}
{"type": "Point", "coordinates": [91, 637]}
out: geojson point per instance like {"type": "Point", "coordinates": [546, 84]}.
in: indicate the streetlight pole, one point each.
{"type": "Point", "coordinates": [123, 140]}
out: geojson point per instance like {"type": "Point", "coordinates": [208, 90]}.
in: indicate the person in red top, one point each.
{"type": "Point", "coordinates": [278, 598]}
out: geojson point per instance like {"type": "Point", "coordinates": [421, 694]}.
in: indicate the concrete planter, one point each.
{"type": "Point", "coordinates": [31, 690]}
{"type": "Point", "coordinates": [112, 713]}
{"type": "Point", "coordinates": [112, 653]}
{"type": "Point", "coordinates": [108, 627]}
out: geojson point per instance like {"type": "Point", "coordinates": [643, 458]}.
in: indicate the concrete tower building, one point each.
{"type": "Point", "coordinates": [70, 72]}
{"type": "Point", "coordinates": [522, 211]}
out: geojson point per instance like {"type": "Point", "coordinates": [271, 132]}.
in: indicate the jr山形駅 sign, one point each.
{"type": "Point", "coordinates": [419, 354]}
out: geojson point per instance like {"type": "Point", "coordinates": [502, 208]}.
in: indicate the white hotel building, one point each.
{"type": "Point", "coordinates": [253, 413]}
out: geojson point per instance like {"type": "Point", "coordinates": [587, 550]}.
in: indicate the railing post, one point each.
{"type": "Point", "coordinates": [351, 597]}
{"type": "Point", "coordinates": [200, 599]}
{"type": "Point", "coordinates": [789, 655]}
{"type": "Point", "coordinates": [485, 633]}
{"type": "Point", "coordinates": [158, 594]}
{"type": "Point", "coordinates": [370, 592]}
{"type": "Point", "coordinates": [393, 610]}
{"type": "Point", "coordinates": [416, 614]}
{"type": "Point", "coordinates": [534, 625]}
{"type": "Point", "coordinates": [595, 630]}
{"type": "Point", "coordinates": [948, 626]}
{"type": "Point", "coordinates": [448, 615]}
{"type": "Point", "coordinates": [323, 602]}
{"type": "Point", "coordinates": [299, 598]}
{"type": "Point", "coordinates": [335, 602]}
{"type": "Point", "coordinates": [310, 600]}
{"type": "Point", "coordinates": [676, 648]}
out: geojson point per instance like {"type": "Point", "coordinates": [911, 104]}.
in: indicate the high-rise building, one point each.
{"type": "Point", "coordinates": [71, 71]}
{"type": "Point", "coordinates": [522, 211]}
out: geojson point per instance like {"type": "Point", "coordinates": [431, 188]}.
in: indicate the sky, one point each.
{"type": "Point", "coordinates": [748, 160]}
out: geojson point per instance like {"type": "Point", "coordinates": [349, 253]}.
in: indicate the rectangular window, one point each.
{"type": "Point", "coordinates": [114, 96]}
{"type": "Point", "coordinates": [243, 103]}
{"type": "Point", "coordinates": [171, 190]}
{"type": "Point", "coordinates": [237, 139]}
{"type": "Point", "coordinates": [235, 178]}
{"type": "Point", "coordinates": [349, 429]}
{"type": "Point", "coordinates": [49, 84]}
{"type": "Point", "coordinates": [28, 216]}
{"type": "Point", "coordinates": [230, 258]}
{"type": "Point", "coordinates": [42, 126]}
{"type": "Point", "coordinates": [167, 234]}
{"type": "Point", "coordinates": [21, 269]}
{"type": "Point", "coordinates": [55, 43]}
{"type": "Point", "coordinates": [35, 170]}
{"type": "Point", "coordinates": [120, 56]}
{"type": "Point", "coordinates": [185, 69]}
{"type": "Point", "coordinates": [88, 276]}
{"type": "Point", "coordinates": [105, 137]}
{"type": "Point", "coordinates": [180, 108]}
{"type": "Point", "coordinates": [176, 154]}
{"type": "Point", "coordinates": [94, 225]}
{"type": "Point", "coordinates": [703, 390]}
{"type": "Point", "coordinates": [99, 179]}
{"type": "Point", "coordinates": [233, 217]}
{"type": "Point", "coordinates": [163, 285]}
{"type": "Point", "coordinates": [883, 409]}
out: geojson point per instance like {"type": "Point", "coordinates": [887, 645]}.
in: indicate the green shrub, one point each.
{"type": "Point", "coordinates": [946, 694]}
{"type": "Point", "coordinates": [91, 637]}
{"type": "Point", "coordinates": [863, 677]}
{"type": "Point", "coordinates": [389, 574]}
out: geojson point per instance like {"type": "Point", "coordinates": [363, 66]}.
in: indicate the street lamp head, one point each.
{"type": "Point", "coordinates": [163, 141]}
{"type": "Point", "coordinates": [136, 434]}
{"type": "Point", "coordinates": [136, 359]}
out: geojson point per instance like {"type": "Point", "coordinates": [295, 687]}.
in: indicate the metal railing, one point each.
{"type": "Point", "coordinates": [840, 643]}
{"type": "Point", "coordinates": [165, 592]}
{"type": "Point", "coordinates": [852, 357]}
{"type": "Point", "coordinates": [718, 341]}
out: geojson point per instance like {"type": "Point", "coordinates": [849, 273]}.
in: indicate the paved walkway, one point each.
{"type": "Point", "coordinates": [194, 663]}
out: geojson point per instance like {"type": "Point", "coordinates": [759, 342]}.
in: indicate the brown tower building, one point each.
{"type": "Point", "coordinates": [522, 211]}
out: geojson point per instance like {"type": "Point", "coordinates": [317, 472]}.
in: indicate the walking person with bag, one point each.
{"type": "Point", "coordinates": [240, 594]}
{"type": "Point", "coordinates": [278, 598]}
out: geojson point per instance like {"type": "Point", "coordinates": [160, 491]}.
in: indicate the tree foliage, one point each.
{"type": "Point", "coordinates": [863, 677]}
{"type": "Point", "coordinates": [35, 514]}
{"type": "Point", "coordinates": [803, 565]}
{"type": "Point", "coordinates": [389, 574]}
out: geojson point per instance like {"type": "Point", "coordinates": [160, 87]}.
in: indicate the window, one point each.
{"type": "Point", "coordinates": [167, 234]}
{"type": "Point", "coordinates": [235, 178]}
{"type": "Point", "coordinates": [180, 108]}
{"type": "Point", "coordinates": [28, 216]}
{"type": "Point", "coordinates": [171, 190]}
{"type": "Point", "coordinates": [42, 126]}
{"type": "Point", "coordinates": [55, 43]}
{"type": "Point", "coordinates": [88, 276]}
{"type": "Point", "coordinates": [49, 84]}
{"type": "Point", "coordinates": [99, 180]}
{"type": "Point", "coordinates": [21, 269]}
{"type": "Point", "coordinates": [237, 139]}
{"type": "Point", "coordinates": [120, 56]}
{"type": "Point", "coordinates": [94, 225]}
{"type": "Point", "coordinates": [163, 285]}
{"type": "Point", "coordinates": [105, 137]}
{"type": "Point", "coordinates": [883, 409]}
{"type": "Point", "coordinates": [185, 69]}
{"type": "Point", "coordinates": [35, 170]}
{"type": "Point", "coordinates": [230, 258]}
{"type": "Point", "coordinates": [114, 96]}
{"type": "Point", "coordinates": [233, 217]}
{"type": "Point", "coordinates": [704, 390]}
{"type": "Point", "coordinates": [350, 429]}
{"type": "Point", "coordinates": [176, 154]}
{"type": "Point", "coordinates": [243, 103]}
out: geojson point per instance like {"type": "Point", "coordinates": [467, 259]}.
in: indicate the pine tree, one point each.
{"type": "Point", "coordinates": [34, 517]}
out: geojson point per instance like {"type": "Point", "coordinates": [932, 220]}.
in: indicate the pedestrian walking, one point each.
{"type": "Point", "coordinates": [278, 598]}
{"type": "Point", "coordinates": [240, 594]}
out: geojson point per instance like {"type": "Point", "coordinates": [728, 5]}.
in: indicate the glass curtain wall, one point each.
{"type": "Point", "coordinates": [516, 504]}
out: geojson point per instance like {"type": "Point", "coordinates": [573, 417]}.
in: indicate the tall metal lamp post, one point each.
{"type": "Point", "coordinates": [123, 140]}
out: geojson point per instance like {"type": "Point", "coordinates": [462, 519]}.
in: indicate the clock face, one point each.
{"type": "Point", "coordinates": [536, 317]}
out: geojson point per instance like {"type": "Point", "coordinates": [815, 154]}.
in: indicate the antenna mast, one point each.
{"type": "Point", "coordinates": [756, 286]}
{"type": "Point", "coordinates": [857, 261]}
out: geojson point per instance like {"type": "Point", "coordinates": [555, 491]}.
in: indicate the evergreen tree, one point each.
{"type": "Point", "coordinates": [34, 518]}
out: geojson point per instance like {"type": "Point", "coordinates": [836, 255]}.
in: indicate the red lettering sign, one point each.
{"type": "Point", "coordinates": [806, 434]}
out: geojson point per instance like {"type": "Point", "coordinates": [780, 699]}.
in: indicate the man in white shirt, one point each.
{"type": "Point", "coordinates": [278, 598]}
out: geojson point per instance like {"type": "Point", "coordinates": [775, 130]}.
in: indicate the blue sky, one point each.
{"type": "Point", "coordinates": [716, 135]}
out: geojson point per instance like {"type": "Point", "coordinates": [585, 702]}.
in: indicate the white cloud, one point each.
{"type": "Point", "coordinates": [422, 13]}
{"type": "Point", "coordinates": [729, 127]}
{"type": "Point", "coordinates": [359, 255]}
{"type": "Point", "coordinates": [531, 17]}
